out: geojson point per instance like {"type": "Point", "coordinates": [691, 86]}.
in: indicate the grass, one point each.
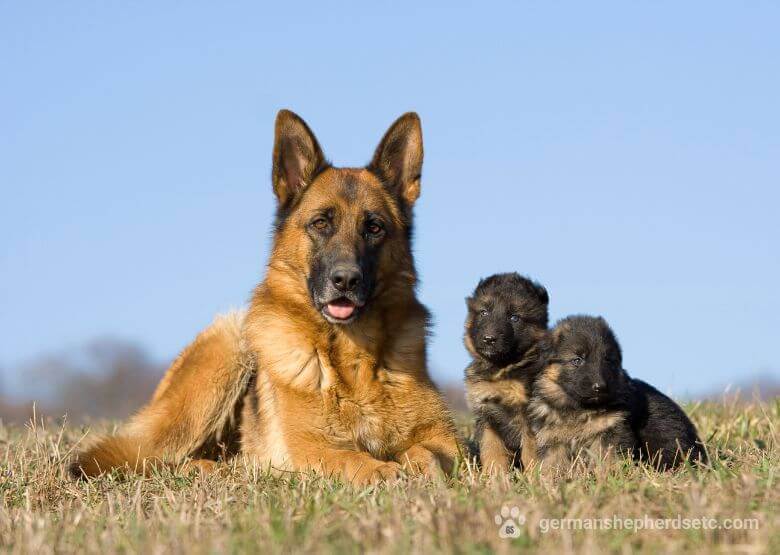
{"type": "Point", "coordinates": [244, 509]}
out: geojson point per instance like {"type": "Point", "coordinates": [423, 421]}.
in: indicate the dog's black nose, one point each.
{"type": "Point", "coordinates": [599, 387]}
{"type": "Point", "coordinates": [346, 278]}
{"type": "Point", "coordinates": [488, 339]}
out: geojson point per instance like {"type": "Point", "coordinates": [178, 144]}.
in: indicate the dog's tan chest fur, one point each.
{"type": "Point", "coordinates": [568, 433]}
{"type": "Point", "coordinates": [351, 390]}
{"type": "Point", "coordinates": [511, 394]}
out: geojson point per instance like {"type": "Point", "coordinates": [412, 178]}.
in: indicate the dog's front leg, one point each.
{"type": "Point", "coordinates": [356, 467]}
{"type": "Point", "coordinates": [493, 454]}
{"type": "Point", "coordinates": [436, 449]}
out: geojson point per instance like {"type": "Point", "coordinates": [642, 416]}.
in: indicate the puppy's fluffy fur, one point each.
{"type": "Point", "coordinates": [584, 403]}
{"type": "Point", "coordinates": [507, 320]}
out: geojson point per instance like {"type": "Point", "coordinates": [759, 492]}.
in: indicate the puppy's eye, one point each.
{"type": "Point", "coordinates": [514, 318]}
{"type": "Point", "coordinates": [577, 361]}
{"type": "Point", "coordinates": [483, 312]}
{"type": "Point", "coordinates": [320, 224]}
{"type": "Point", "coordinates": [373, 228]}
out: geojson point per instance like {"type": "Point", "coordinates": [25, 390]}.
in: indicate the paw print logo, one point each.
{"type": "Point", "coordinates": [509, 522]}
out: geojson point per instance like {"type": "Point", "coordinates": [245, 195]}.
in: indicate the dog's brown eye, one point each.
{"type": "Point", "coordinates": [483, 312]}
{"type": "Point", "coordinates": [373, 228]}
{"type": "Point", "coordinates": [514, 318]}
{"type": "Point", "coordinates": [320, 224]}
{"type": "Point", "coordinates": [577, 361]}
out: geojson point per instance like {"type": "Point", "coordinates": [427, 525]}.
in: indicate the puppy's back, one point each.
{"type": "Point", "coordinates": [665, 433]}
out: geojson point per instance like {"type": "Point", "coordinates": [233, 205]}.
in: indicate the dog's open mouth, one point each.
{"type": "Point", "coordinates": [340, 309]}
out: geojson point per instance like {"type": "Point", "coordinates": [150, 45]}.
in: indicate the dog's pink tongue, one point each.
{"type": "Point", "coordinates": [341, 309]}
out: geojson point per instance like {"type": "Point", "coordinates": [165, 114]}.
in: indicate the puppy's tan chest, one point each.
{"type": "Point", "coordinates": [510, 394]}
{"type": "Point", "coordinates": [579, 430]}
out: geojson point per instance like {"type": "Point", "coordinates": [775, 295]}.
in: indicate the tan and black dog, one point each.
{"type": "Point", "coordinates": [505, 328]}
{"type": "Point", "coordinates": [585, 404]}
{"type": "Point", "coordinates": [577, 408]}
{"type": "Point", "coordinates": [326, 371]}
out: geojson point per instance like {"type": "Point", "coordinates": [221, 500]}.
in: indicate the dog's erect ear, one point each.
{"type": "Point", "coordinates": [298, 157]}
{"type": "Point", "coordinates": [398, 158]}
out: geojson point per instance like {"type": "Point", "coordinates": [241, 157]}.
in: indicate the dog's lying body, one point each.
{"type": "Point", "coordinates": [506, 321]}
{"type": "Point", "coordinates": [665, 435]}
{"type": "Point", "coordinates": [585, 405]}
{"type": "Point", "coordinates": [327, 370]}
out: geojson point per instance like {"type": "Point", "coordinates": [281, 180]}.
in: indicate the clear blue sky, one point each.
{"type": "Point", "coordinates": [625, 154]}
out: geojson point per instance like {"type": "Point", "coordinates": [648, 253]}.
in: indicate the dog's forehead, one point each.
{"type": "Point", "coordinates": [509, 300]}
{"type": "Point", "coordinates": [347, 188]}
{"type": "Point", "coordinates": [491, 300]}
{"type": "Point", "coordinates": [576, 340]}
{"type": "Point", "coordinates": [582, 342]}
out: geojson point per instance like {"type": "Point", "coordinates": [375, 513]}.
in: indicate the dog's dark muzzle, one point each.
{"type": "Point", "coordinates": [340, 293]}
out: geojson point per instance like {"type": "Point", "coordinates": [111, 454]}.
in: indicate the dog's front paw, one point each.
{"type": "Point", "coordinates": [371, 474]}
{"type": "Point", "coordinates": [417, 460]}
{"type": "Point", "coordinates": [203, 466]}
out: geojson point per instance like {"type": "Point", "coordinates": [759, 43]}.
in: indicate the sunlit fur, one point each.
{"type": "Point", "coordinates": [284, 384]}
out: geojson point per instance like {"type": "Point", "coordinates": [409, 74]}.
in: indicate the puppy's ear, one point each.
{"type": "Point", "coordinates": [541, 293]}
{"type": "Point", "coordinates": [545, 340]}
{"type": "Point", "coordinates": [298, 157]}
{"type": "Point", "coordinates": [557, 334]}
{"type": "Point", "coordinates": [398, 158]}
{"type": "Point", "coordinates": [545, 345]}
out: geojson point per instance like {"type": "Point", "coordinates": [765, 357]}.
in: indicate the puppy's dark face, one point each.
{"type": "Point", "coordinates": [585, 364]}
{"type": "Point", "coordinates": [507, 316]}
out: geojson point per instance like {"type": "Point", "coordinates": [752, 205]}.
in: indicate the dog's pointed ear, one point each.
{"type": "Point", "coordinates": [398, 158]}
{"type": "Point", "coordinates": [298, 157]}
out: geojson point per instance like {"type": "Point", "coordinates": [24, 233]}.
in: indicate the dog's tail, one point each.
{"type": "Point", "coordinates": [111, 452]}
{"type": "Point", "coordinates": [194, 412]}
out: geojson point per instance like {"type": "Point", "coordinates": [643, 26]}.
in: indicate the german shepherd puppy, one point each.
{"type": "Point", "coordinates": [585, 403]}
{"type": "Point", "coordinates": [326, 371]}
{"type": "Point", "coordinates": [578, 401]}
{"type": "Point", "coordinates": [507, 319]}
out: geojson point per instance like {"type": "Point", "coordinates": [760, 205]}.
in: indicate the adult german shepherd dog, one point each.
{"type": "Point", "coordinates": [326, 371]}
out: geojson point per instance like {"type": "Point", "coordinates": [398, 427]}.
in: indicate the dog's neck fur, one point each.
{"type": "Point", "coordinates": [294, 341]}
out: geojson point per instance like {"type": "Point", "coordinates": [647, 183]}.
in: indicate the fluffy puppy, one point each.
{"type": "Point", "coordinates": [506, 324]}
{"type": "Point", "coordinates": [584, 403]}
{"type": "Point", "coordinates": [578, 403]}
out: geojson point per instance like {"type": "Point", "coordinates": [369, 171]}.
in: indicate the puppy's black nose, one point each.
{"type": "Point", "coordinates": [599, 387]}
{"type": "Point", "coordinates": [346, 278]}
{"type": "Point", "coordinates": [488, 339]}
